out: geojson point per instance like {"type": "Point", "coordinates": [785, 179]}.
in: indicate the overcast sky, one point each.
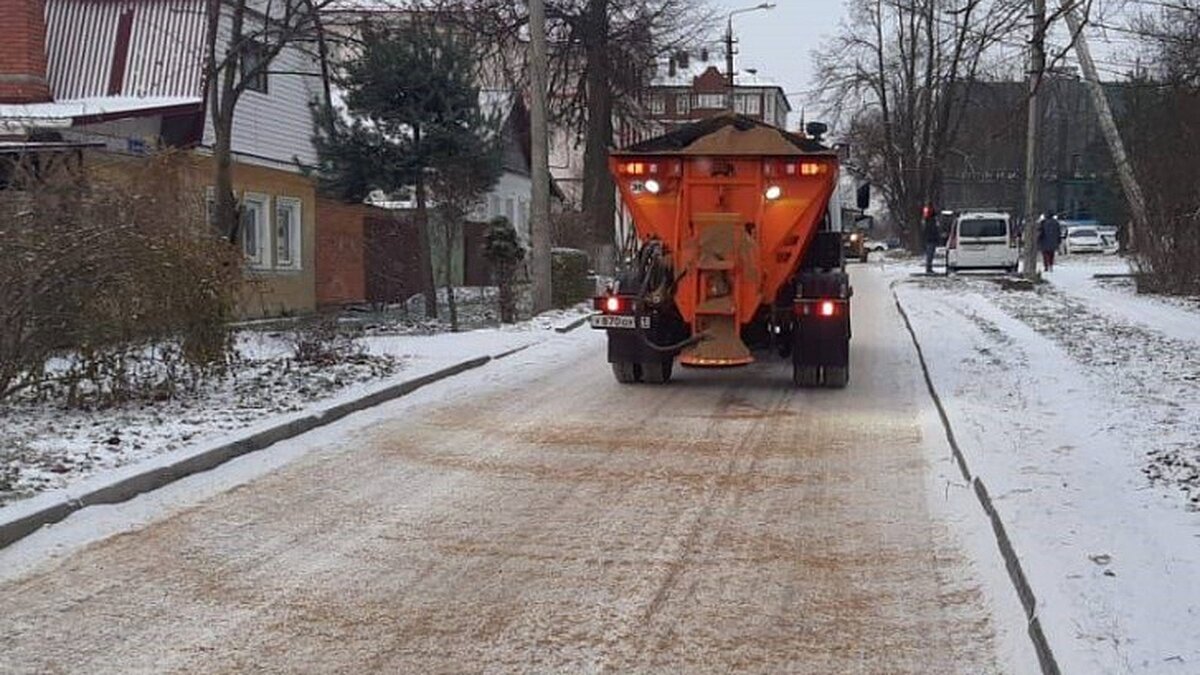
{"type": "Point", "coordinates": [779, 42]}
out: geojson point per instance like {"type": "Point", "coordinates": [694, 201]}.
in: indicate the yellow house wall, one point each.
{"type": "Point", "coordinates": [266, 292]}
{"type": "Point", "coordinates": [270, 292]}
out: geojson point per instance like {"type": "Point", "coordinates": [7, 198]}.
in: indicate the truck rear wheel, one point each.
{"type": "Point", "coordinates": [626, 372]}
{"type": "Point", "coordinates": [837, 377]}
{"type": "Point", "coordinates": [806, 376]}
{"type": "Point", "coordinates": [657, 373]}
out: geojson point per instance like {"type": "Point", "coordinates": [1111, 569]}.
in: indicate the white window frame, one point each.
{"type": "Point", "coordinates": [683, 104]}
{"type": "Point", "coordinates": [748, 104]}
{"type": "Point", "coordinates": [261, 230]}
{"type": "Point", "coordinates": [657, 105]}
{"type": "Point", "coordinates": [295, 207]}
{"type": "Point", "coordinates": [709, 102]}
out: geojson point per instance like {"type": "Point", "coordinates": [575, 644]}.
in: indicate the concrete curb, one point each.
{"type": "Point", "coordinates": [152, 478]}
{"type": "Point", "coordinates": [573, 325]}
{"type": "Point", "coordinates": [1012, 561]}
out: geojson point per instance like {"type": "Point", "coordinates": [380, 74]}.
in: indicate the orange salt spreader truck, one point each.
{"type": "Point", "coordinates": [738, 252]}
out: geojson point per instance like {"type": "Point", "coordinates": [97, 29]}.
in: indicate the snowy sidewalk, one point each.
{"type": "Point", "coordinates": [1079, 404]}
{"type": "Point", "coordinates": [47, 447]}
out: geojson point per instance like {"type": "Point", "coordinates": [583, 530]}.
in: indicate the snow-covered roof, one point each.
{"type": "Point", "coordinates": [683, 77]}
{"type": "Point", "coordinates": [21, 117]}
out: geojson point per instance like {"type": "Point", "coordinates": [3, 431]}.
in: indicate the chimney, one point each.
{"type": "Point", "coordinates": [23, 52]}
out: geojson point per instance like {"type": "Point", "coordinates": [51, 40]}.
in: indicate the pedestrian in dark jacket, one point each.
{"type": "Point", "coordinates": [1049, 237]}
{"type": "Point", "coordinates": [930, 236]}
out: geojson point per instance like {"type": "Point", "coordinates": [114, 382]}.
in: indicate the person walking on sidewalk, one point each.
{"type": "Point", "coordinates": [930, 236]}
{"type": "Point", "coordinates": [1049, 238]}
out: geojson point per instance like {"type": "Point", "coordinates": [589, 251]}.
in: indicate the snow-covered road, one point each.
{"type": "Point", "coordinates": [535, 516]}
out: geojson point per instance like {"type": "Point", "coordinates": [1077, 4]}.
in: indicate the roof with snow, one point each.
{"type": "Point", "coordinates": [17, 118]}
{"type": "Point", "coordinates": [729, 134]}
{"type": "Point", "coordinates": [696, 65]}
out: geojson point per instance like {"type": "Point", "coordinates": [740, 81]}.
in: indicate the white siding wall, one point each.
{"type": "Point", "coordinates": [273, 128]}
{"type": "Point", "coordinates": [512, 189]}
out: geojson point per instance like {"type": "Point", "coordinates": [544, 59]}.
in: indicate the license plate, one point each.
{"type": "Point", "coordinates": [974, 247]}
{"type": "Point", "coordinates": [616, 321]}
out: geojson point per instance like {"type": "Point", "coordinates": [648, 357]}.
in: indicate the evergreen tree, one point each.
{"type": "Point", "coordinates": [412, 121]}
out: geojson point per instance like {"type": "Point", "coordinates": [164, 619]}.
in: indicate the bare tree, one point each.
{"type": "Point", "coordinates": [243, 39]}
{"type": "Point", "coordinates": [601, 54]}
{"type": "Point", "coordinates": [1162, 128]}
{"type": "Point", "coordinates": [901, 75]}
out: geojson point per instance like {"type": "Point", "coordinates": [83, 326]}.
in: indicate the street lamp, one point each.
{"type": "Point", "coordinates": [729, 47]}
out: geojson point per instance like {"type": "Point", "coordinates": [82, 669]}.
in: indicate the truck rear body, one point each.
{"type": "Point", "coordinates": [726, 213]}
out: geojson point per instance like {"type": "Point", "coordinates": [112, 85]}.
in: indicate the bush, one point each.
{"type": "Point", "coordinates": [571, 282]}
{"type": "Point", "coordinates": [114, 274]}
{"type": "Point", "coordinates": [503, 250]}
{"type": "Point", "coordinates": [321, 340]}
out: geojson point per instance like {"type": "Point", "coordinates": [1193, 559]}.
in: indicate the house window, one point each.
{"type": "Point", "coordinates": [657, 104]}
{"type": "Point", "coordinates": [493, 207]}
{"type": "Point", "coordinates": [683, 104]}
{"type": "Point", "coordinates": [710, 101]}
{"type": "Point", "coordinates": [748, 104]}
{"type": "Point", "coordinates": [510, 211]}
{"type": "Point", "coordinates": [287, 233]}
{"type": "Point", "coordinates": [523, 215]}
{"type": "Point", "coordinates": [254, 228]}
{"type": "Point", "coordinates": [254, 66]}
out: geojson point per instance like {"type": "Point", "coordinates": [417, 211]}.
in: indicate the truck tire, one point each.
{"type": "Point", "coordinates": [626, 372]}
{"type": "Point", "coordinates": [657, 373]}
{"type": "Point", "coordinates": [806, 377]}
{"type": "Point", "coordinates": [837, 377]}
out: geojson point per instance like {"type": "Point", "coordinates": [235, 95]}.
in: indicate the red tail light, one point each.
{"type": "Point", "coordinates": [612, 304]}
{"type": "Point", "coordinates": [819, 308]}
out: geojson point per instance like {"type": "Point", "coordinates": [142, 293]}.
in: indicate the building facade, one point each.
{"type": "Point", "coordinates": [128, 79]}
{"type": "Point", "coordinates": [985, 167]}
{"type": "Point", "coordinates": [689, 86]}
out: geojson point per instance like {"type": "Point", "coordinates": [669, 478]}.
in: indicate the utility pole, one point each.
{"type": "Point", "coordinates": [1108, 126]}
{"type": "Point", "coordinates": [1037, 68]}
{"type": "Point", "coordinates": [729, 63]}
{"type": "Point", "coordinates": [729, 42]}
{"type": "Point", "coordinates": [539, 210]}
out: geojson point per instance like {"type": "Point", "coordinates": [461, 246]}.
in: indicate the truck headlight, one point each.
{"type": "Point", "coordinates": [773, 192]}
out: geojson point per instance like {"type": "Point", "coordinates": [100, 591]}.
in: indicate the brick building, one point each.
{"type": "Point", "coordinates": [690, 86]}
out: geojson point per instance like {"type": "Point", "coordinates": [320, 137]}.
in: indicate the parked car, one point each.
{"type": "Point", "coordinates": [982, 240]}
{"type": "Point", "coordinates": [873, 245]}
{"type": "Point", "coordinates": [1083, 239]}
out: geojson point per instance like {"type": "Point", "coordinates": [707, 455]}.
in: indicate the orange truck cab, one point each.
{"type": "Point", "coordinates": [736, 254]}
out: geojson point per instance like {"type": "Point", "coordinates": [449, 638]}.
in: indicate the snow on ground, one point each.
{"type": "Point", "coordinates": [46, 446]}
{"type": "Point", "coordinates": [1078, 404]}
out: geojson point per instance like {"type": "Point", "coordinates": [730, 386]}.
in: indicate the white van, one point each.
{"type": "Point", "coordinates": [982, 240]}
